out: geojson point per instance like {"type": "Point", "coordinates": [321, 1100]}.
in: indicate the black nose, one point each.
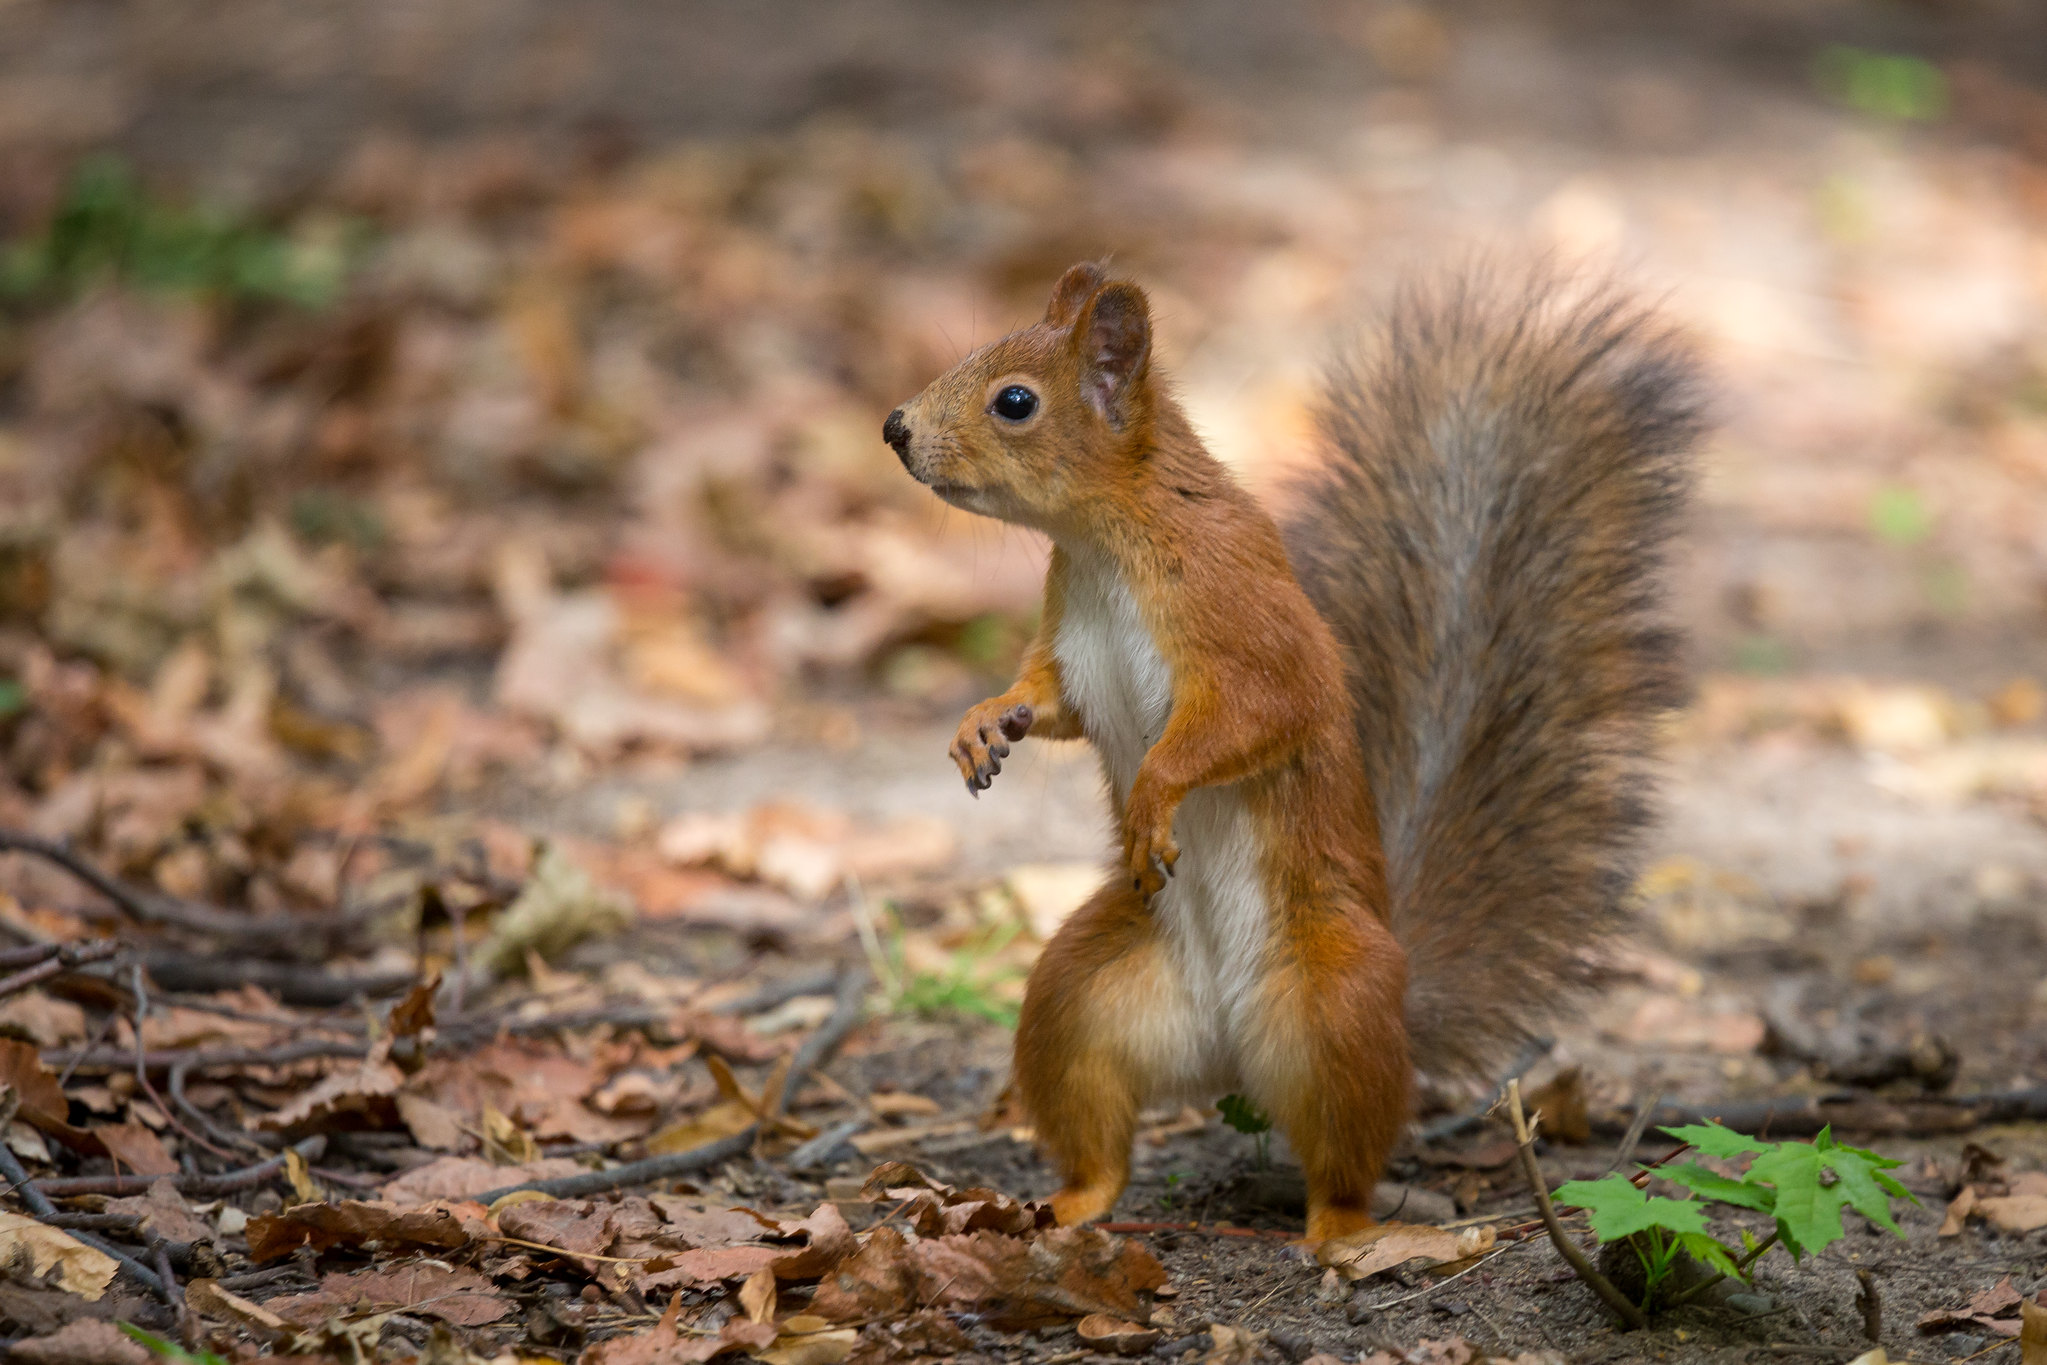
{"type": "Point", "coordinates": [897, 433]}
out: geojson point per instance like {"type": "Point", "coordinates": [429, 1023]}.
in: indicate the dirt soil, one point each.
{"type": "Point", "coordinates": [564, 521]}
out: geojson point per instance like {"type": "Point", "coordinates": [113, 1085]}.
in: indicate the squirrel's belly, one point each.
{"type": "Point", "coordinates": [1214, 910]}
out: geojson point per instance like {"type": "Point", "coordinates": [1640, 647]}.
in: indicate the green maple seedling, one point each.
{"type": "Point", "coordinates": [1803, 1185]}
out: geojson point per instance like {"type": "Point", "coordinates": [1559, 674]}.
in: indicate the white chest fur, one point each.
{"type": "Point", "coordinates": [1213, 911]}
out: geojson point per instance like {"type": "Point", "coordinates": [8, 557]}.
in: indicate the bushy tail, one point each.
{"type": "Point", "coordinates": [1486, 538]}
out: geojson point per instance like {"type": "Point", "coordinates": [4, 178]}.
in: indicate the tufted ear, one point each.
{"type": "Point", "coordinates": [1113, 336]}
{"type": "Point", "coordinates": [1071, 292]}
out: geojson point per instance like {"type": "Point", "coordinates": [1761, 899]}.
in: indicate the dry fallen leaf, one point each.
{"type": "Point", "coordinates": [2033, 1333]}
{"type": "Point", "coordinates": [89, 1341]}
{"type": "Point", "coordinates": [1995, 1309]}
{"type": "Point", "coordinates": [1101, 1332]}
{"type": "Point", "coordinates": [1390, 1245]}
{"type": "Point", "coordinates": [85, 1271]}
{"type": "Point", "coordinates": [456, 1295]}
{"type": "Point", "coordinates": [429, 1227]}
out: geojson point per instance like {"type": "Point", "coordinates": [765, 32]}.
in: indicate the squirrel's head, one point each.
{"type": "Point", "coordinates": [1031, 427]}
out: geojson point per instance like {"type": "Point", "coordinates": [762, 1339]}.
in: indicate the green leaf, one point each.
{"type": "Point", "coordinates": [1243, 1114]}
{"type": "Point", "coordinates": [170, 1350]}
{"type": "Point", "coordinates": [1711, 1251]}
{"type": "Point", "coordinates": [1863, 1186]}
{"type": "Point", "coordinates": [1714, 1140]}
{"type": "Point", "coordinates": [1808, 1210]}
{"type": "Point", "coordinates": [1618, 1209]}
{"type": "Point", "coordinates": [1726, 1189]}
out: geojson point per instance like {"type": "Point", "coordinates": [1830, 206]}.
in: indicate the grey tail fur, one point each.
{"type": "Point", "coordinates": [1486, 538]}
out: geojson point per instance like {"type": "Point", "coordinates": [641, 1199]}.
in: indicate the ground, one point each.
{"type": "Point", "coordinates": [439, 435]}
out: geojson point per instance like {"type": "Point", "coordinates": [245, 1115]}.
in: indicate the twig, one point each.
{"type": "Point", "coordinates": [227, 1182]}
{"type": "Point", "coordinates": [1633, 1136]}
{"type": "Point", "coordinates": [1424, 1292]}
{"type": "Point", "coordinates": [1870, 1301]}
{"type": "Point", "coordinates": [1532, 1052]}
{"type": "Point", "coordinates": [1600, 1285]}
{"type": "Point", "coordinates": [290, 982]}
{"type": "Point", "coordinates": [632, 1172]}
{"type": "Point", "coordinates": [160, 1256]}
{"type": "Point", "coordinates": [144, 907]}
{"type": "Point", "coordinates": [213, 1130]}
{"type": "Point", "coordinates": [831, 1035]}
{"type": "Point", "coordinates": [55, 960]}
{"type": "Point", "coordinates": [780, 992]}
{"type": "Point", "coordinates": [199, 1059]}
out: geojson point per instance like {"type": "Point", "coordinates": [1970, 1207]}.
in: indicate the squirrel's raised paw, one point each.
{"type": "Point", "coordinates": [1150, 853]}
{"type": "Point", "coordinates": [983, 741]}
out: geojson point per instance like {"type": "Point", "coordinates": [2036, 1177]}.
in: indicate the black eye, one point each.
{"type": "Point", "coordinates": [1015, 403]}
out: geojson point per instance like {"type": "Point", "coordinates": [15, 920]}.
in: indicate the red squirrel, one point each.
{"type": "Point", "coordinates": [1379, 773]}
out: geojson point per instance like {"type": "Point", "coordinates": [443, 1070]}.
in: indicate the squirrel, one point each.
{"type": "Point", "coordinates": [1381, 772]}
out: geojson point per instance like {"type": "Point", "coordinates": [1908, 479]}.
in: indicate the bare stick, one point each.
{"type": "Point", "coordinates": [147, 907]}
{"type": "Point", "coordinates": [1532, 1052]}
{"type": "Point", "coordinates": [227, 1182]}
{"type": "Point", "coordinates": [633, 1172]}
{"type": "Point", "coordinates": [1601, 1286]}
{"type": "Point", "coordinates": [1633, 1136]}
{"type": "Point", "coordinates": [1871, 1303]}
{"type": "Point", "coordinates": [55, 960]}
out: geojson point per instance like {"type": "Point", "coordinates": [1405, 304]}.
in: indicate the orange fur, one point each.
{"type": "Point", "coordinates": [1109, 467]}
{"type": "Point", "coordinates": [1424, 756]}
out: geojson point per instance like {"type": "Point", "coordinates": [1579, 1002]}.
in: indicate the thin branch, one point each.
{"type": "Point", "coordinates": [632, 1172]}
{"type": "Point", "coordinates": [1600, 1285]}
{"type": "Point", "coordinates": [54, 960]}
{"type": "Point", "coordinates": [227, 1182]}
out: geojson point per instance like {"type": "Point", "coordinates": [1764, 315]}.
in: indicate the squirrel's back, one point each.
{"type": "Point", "coordinates": [1486, 536]}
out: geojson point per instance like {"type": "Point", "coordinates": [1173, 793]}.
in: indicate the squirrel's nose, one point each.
{"type": "Point", "coordinates": [897, 433]}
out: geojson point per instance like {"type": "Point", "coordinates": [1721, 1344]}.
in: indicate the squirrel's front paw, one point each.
{"type": "Point", "coordinates": [984, 738]}
{"type": "Point", "coordinates": [1148, 849]}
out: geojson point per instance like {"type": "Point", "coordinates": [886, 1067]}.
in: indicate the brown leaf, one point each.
{"type": "Point", "coordinates": [573, 1225]}
{"type": "Point", "coordinates": [462, 1177]}
{"type": "Point", "coordinates": [83, 1270]}
{"type": "Point", "coordinates": [757, 1296]}
{"type": "Point", "coordinates": [365, 1088]}
{"type": "Point", "coordinates": [919, 1336]}
{"type": "Point", "coordinates": [433, 1126]}
{"type": "Point", "coordinates": [415, 1013]}
{"type": "Point", "coordinates": [1233, 1346]}
{"type": "Point", "coordinates": [209, 1300]}
{"type": "Point", "coordinates": [1560, 1107]}
{"type": "Point", "coordinates": [88, 1341]}
{"type": "Point", "coordinates": [442, 1227]}
{"type": "Point", "coordinates": [135, 1147]}
{"type": "Point", "coordinates": [659, 1344]}
{"type": "Point", "coordinates": [459, 1296]}
{"type": "Point", "coordinates": [2032, 1333]}
{"type": "Point", "coordinates": [1995, 1308]}
{"type": "Point", "coordinates": [1391, 1245]}
{"type": "Point", "coordinates": [164, 1212]}
{"type": "Point", "coordinates": [1104, 1333]}
{"type": "Point", "coordinates": [1062, 1273]}
{"type": "Point", "coordinates": [42, 1099]}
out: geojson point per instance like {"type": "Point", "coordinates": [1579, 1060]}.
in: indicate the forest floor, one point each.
{"type": "Point", "coordinates": [451, 583]}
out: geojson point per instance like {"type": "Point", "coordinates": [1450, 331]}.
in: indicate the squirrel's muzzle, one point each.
{"type": "Point", "coordinates": [897, 433]}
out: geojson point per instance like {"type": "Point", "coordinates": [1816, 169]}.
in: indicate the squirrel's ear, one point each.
{"type": "Point", "coordinates": [1071, 292]}
{"type": "Point", "coordinates": [1113, 335]}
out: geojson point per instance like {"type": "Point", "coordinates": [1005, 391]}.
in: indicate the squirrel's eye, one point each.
{"type": "Point", "coordinates": [1015, 403]}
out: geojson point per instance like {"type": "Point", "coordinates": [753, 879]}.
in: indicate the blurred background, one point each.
{"type": "Point", "coordinates": [431, 426]}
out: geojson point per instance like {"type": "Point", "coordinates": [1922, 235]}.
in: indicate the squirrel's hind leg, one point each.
{"type": "Point", "coordinates": [1330, 1061]}
{"type": "Point", "coordinates": [1106, 1026]}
